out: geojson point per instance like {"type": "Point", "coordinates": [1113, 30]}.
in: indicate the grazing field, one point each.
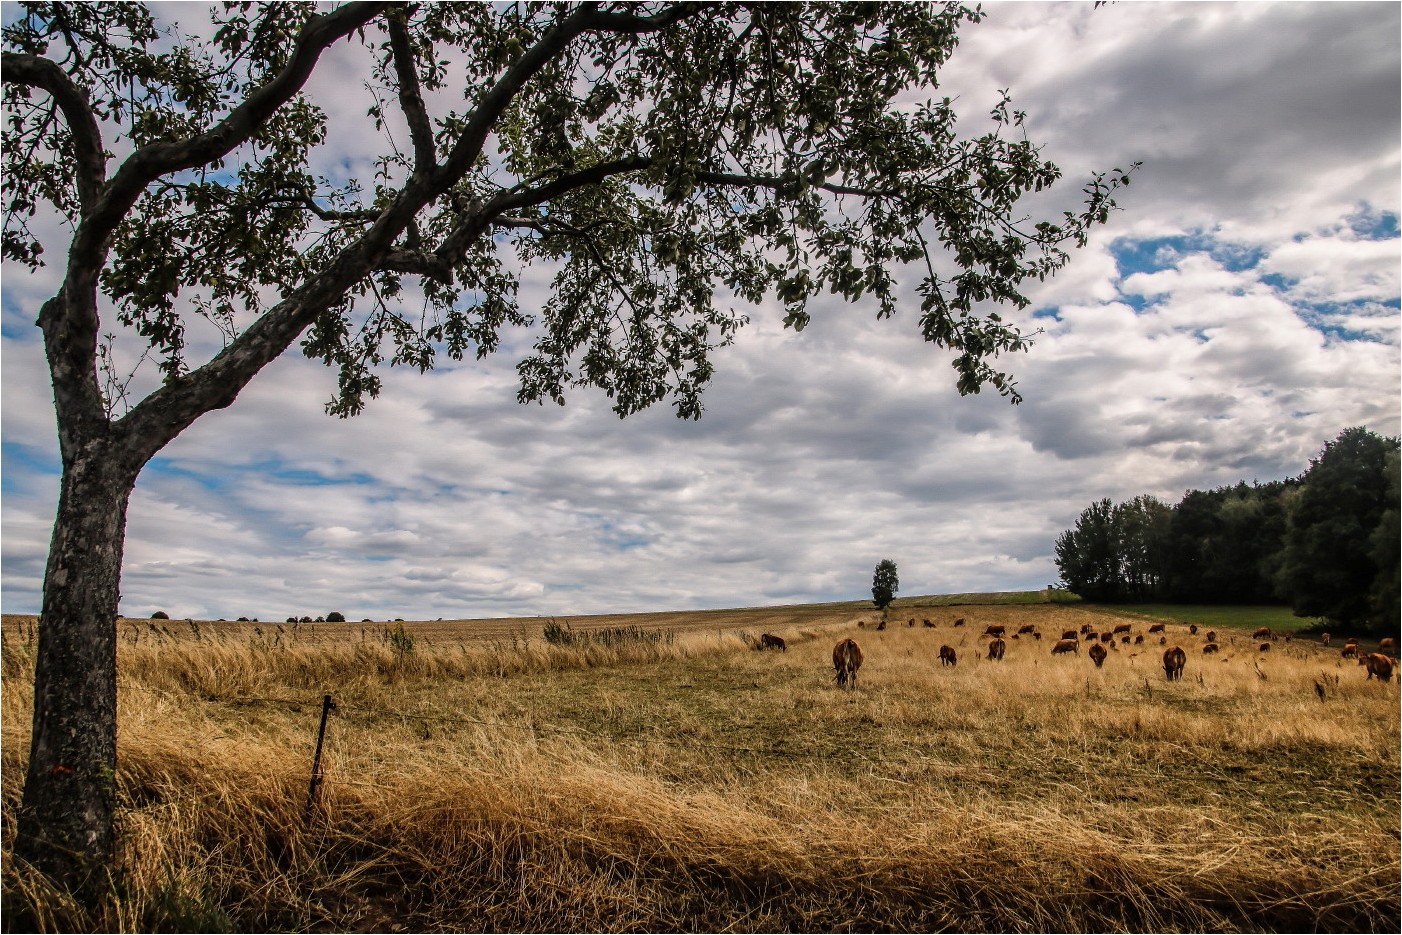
{"type": "Point", "coordinates": [1247, 617]}
{"type": "Point", "coordinates": [666, 775]}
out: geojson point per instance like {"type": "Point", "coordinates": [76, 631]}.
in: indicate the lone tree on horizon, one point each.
{"type": "Point", "coordinates": [884, 584]}
{"type": "Point", "coordinates": [668, 164]}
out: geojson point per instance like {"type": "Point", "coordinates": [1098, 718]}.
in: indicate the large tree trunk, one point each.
{"type": "Point", "coordinates": [65, 818]}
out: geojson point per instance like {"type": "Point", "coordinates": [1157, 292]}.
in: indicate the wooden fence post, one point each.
{"type": "Point", "coordinates": [315, 782]}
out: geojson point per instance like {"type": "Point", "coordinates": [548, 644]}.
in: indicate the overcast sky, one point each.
{"type": "Point", "coordinates": [1238, 313]}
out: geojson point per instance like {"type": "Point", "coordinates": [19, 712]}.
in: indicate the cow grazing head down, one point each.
{"type": "Point", "coordinates": [770, 641]}
{"type": "Point", "coordinates": [1098, 654]}
{"type": "Point", "coordinates": [846, 660]}
{"type": "Point", "coordinates": [1210, 648]}
{"type": "Point", "coordinates": [1070, 635]}
{"type": "Point", "coordinates": [1067, 646]}
{"type": "Point", "coordinates": [1385, 643]}
{"type": "Point", "coordinates": [1211, 636]}
{"type": "Point", "coordinates": [1156, 628]}
{"type": "Point", "coordinates": [996, 648]}
{"type": "Point", "coordinates": [1380, 666]}
{"type": "Point", "coordinates": [1173, 662]}
{"type": "Point", "coordinates": [948, 656]}
{"type": "Point", "coordinates": [995, 630]}
{"type": "Point", "coordinates": [1261, 633]}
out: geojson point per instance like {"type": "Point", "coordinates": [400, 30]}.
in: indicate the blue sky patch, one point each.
{"type": "Point", "coordinates": [1372, 224]}
{"type": "Point", "coordinates": [1323, 317]}
{"type": "Point", "coordinates": [1156, 254]}
{"type": "Point", "coordinates": [15, 322]}
{"type": "Point", "coordinates": [20, 463]}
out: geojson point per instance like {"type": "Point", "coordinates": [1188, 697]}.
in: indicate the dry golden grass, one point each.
{"type": "Point", "coordinates": [696, 784]}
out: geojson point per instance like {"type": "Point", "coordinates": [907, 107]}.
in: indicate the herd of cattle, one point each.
{"type": "Point", "coordinates": [847, 654]}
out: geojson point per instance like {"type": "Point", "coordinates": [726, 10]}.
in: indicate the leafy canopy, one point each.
{"type": "Point", "coordinates": [884, 584]}
{"type": "Point", "coordinates": [667, 163]}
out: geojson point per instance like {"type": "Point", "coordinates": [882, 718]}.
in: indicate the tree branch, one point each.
{"type": "Point", "coordinates": [495, 102]}
{"type": "Point", "coordinates": [70, 320]}
{"type": "Point", "coordinates": [166, 412]}
{"type": "Point", "coordinates": [478, 220]}
{"type": "Point", "coordinates": [157, 159]}
{"type": "Point", "coordinates": [627, 22]}
{"type": "Point", "coordinates": [90, 168]}
{"type": "Point", "coordinates": [411, 100]}
{"type": "Point", "coordinates": [766, 181]}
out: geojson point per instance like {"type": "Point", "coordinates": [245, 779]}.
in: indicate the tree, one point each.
{"type": "Point", "coordinates": [665, 161]}
{"type": "Point", "coordinates": [1088, 555]}
{"type": "Point", "coordinates": [1224, 544]}
{"type": "Point", "coordinates": [1328, 566]}
{"type": "Point", "coordinates": [884, 584]}
{"type": "Point", "coordinates": [1385, 547]}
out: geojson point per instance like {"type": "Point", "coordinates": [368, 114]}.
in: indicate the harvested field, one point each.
{"type": "Point", "coordinates": [694, 782]}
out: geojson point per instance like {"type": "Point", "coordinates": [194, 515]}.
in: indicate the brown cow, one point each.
{"type": "Point", "coordinates": [1193, 629]}
{"type": "Point", "coordinates": [768, 640]}
{"type": "Point", "coordinates": [1098, 654]}
{"type": "Point", "coordinates": [1385, 643]}
{"type": "Point", "coordinates": [861, 624]}
{"type": "Point", "coordinates": [881, 625]}
{"type": "Point", "coordinates": [1156, 628]}
{"type": "Point", "coordinates": [1107, 637]}
{"type": "Point", "coordinates": [996, 648]}
{"type": "Point", "coordinates": [1139, 638]}
{"type": "Point", "coordinates": [847, 659]}
{"type": "Point", "coordinates": [958, 621]}
{"type": "Point", "coordinates": [1123, 627]}
{"type": "Point", "coordinates": [1324, 638]}
{"type": "Point", "coordinates": [926, 622]}
{"type": "Point", "coordinates": [1027, 628]}
{"type": "Point", "coordinates": [1210, 648]}
{"type": "Point", "coordinates": [1265, 647]}
{"type": "Point", "coordinates": [1261, 633]}
{"type": "Point", "coordinates": [1211, 636]}
{"type": "Point", "coordinates": [995, 630]}
{"type": "Point", "coordinates": [1379, 665]}
{"type": "Point", "coordinates": [1173, 662]}
{"type": "Point", "coordinates": [1070, 635]}
{"type": "Point", "coordinates": [1066, 646]}
{"type": "Point", "coordinates": [1350, 650]}
{"type": "Point", "coordinates": [910, 622]}
{"type": "Point", "coordinates": [947, 656]}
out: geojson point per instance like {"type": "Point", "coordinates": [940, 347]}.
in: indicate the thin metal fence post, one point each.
{"type": "Point", "coordinates": [315, 782]}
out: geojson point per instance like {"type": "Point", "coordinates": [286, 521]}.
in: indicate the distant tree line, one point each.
{"type": "Point", "coordinates": [1326, 542]}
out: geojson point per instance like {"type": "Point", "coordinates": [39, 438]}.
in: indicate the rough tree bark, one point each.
{"type": "Point", "coordinates": [64, 825]}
